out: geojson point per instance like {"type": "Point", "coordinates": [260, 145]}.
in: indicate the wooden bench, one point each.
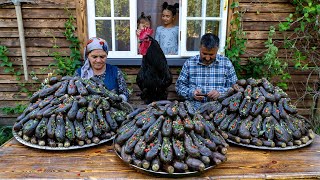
{"type": "Point", "coordinates": [19, 161]}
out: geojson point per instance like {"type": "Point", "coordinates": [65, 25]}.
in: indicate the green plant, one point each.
{"type": "Point", "coordinates": [18, 109]}
{"type": "Point", "coordinates": [5, 62]}
{"type": "Point", "coordinates": [236, 40]}
{"type": "Point", "coordinates": [5, 134]}
{"type": "Point", "coordinates": [66, 65]}
{"type": "Point", "coordinates": [275, 66]}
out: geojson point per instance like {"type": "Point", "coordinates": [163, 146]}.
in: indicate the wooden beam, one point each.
{"type": "Point", "coordinates": [81, 13]}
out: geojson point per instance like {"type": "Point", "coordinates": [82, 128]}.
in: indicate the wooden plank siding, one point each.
{"type": "Point", "coordinates": [44, 27]}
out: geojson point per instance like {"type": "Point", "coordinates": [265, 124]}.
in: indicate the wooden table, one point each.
{"type": "Point", "coordinates": [19, 161]}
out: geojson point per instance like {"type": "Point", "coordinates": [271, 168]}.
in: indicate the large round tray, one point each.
{"type": "Point", "coordinates": [271, 148]}
{"type": "Point", "coordinates": [163, 174]}
{"type": "Point", "coordinates": [18, 138]}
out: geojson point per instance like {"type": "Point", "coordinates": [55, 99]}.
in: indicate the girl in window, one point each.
{"type": "Point", "coordinates": [143, 22]}
{"type": "Point", "coordinates": [167, 34]}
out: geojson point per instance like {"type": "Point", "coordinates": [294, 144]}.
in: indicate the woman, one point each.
{"type": "Point", "coordinates": [95, 55]}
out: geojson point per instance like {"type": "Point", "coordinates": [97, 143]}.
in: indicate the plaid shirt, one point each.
{"type": "Point", "coordinates": [220, 75]}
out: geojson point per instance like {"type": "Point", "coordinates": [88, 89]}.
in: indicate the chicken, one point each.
{"type": "Point", "coordinates": [154, 76]}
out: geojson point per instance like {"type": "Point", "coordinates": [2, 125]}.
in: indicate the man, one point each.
{"type": "Point", "coordinates": [206, 76]}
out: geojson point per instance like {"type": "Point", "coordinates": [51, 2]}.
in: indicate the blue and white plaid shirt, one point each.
{"type": "Point", "coordinates": [219, 75]}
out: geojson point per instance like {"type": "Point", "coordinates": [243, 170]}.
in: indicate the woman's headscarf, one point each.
{"type": "Point", "coordinates": [92, 44]}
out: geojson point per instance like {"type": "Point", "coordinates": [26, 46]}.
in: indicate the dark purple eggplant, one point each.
{"type": "Point", "coordinates": [178, 127]}
{"type": "Point", "coordinates": [256, 126]}
{"type": "Point", "coordinates": [245, 107]}
{"type": "Point", "coordinates": [153, 129]}
{"type": "Point", "coordinates": [178, 148]}
{"type": "Point", "coordinates": [258, 106]}
{"type": "Point", "coordinates": [166, 152]}
{"type": "Point", "coordinates": [132, 141]}
{"type": "Point", "coordinates": [244, 129]}
{"type": "Point", "coordinates": [166, 129]}
{"type": "Point", "coordinates": [190, 147]}
{"type": "Point", "coordinates": [269, 96]}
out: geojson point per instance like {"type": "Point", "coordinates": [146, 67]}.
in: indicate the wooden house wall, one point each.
{"type": "Point", "coordinates": [257, 19]}
{"type": "Point", "coordinates": [44, 26]}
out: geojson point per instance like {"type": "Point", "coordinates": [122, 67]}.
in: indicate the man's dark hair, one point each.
{"type": "Point", "coordinates": [209, 41]}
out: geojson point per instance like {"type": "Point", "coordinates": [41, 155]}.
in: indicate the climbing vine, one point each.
{"type": "Point", "coordinates": [255, 66]}
{"type": "Point", "coordinates": [66, 65]}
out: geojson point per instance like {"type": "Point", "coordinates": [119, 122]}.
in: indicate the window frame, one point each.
{"type": "Point", "coordinates": [123, 57]}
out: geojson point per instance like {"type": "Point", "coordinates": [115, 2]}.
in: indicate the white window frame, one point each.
{"type": "Point", "coordinates": [182, 51]}
{"type": "Point", "coordinates": [222, 26]}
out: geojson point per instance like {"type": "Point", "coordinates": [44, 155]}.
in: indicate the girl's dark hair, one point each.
{"type": "Point", "coordinates": [144, 17]}
{"type": "Point", "coordinates": [172, 8]}
{"type": "Point", "coordinates": [209, 41]}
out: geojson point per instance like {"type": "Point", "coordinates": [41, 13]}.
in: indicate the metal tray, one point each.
{"type": "Point", "coordinates": [18, 138]}
{"type": "Point", "coordinates": [271, 148]}
{"type": "Point", "coordinates": [163, 174]}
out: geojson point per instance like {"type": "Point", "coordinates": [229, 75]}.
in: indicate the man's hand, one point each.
{"type": "Point", "coordinates": [198, 95]}
{"type": "Point", "coordinates": [214, 94]}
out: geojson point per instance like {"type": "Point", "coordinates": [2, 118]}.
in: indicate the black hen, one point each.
{"type": "Point", "coordinates": [154, 76]}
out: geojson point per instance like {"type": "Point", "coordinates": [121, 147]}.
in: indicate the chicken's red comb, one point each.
{"type": "Point", "coordinates": [145, 32]}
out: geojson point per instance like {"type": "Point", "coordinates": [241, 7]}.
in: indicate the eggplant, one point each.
{"type": "Point", "coordinates": [245, 107]}
{"type": "Point", "coordinates": [220, 116]}
{"type": "Point", "coordinates": [226, 121]}
{"type": "Point", "coordinates": [244, 129]}
{"type": "Point", "coordinates": [267, 85]}
{"type": "Point", "coordinates": [166, 129]}
{"type": "Point", "coordinates": [267, 110]}
{"type": "Point", "coordinates": [258, 106]}
{"type": "Point", "coordinates": [228, 93]}
{"type": "Point", "coordinates": [178, 127]}
{"type": "Point", "coordinates": [269, 97]}
{"type": "Point", "coordinates": [70, 130]}
{"type": "Point", "coordinates": [256, 126]}
{"type": "Point", "coordinates": [188, 123]}
{"type": "Point", "coordinates": [178, 148]}
{"type": "Point", "coordinates": [60, 131]}
{"type": "Point", "coordinates": [195, 164]}
{"type": "Point", "coordinates": [166, 152]}
{"type": "Point", "coordinates": [234, 125]}
{"type": "Point", "coordinates": [62, 90]}
{"type": "Point", "coordinates": [80, 132]}
{"type": "Point", "coordinates": [153, 129]}
{"type": "Point", "coordinates": [153, 148]}
{"type": "Point", "coordinates": [182, 110]}
{"type": "Point", "coordinates": [125, 134]}
{"type": "Point", "coordinates": [140, 147]}
{"type": "Point", "coordinates": [288, 107]}
{"type": "Point", "coordinates": [204, 151]}
{"type": "Point", "coordinates": [190, 148]}
{"type": "Point", "coordinates": [51, 126]}
{"type": "Point", "coordinates": [268, 128]}
{"type": "Point", "coordinates": [248, 92]}
{"type": "Point", "coordinates": [256, 93]}
{"type": "Point", "coordinates": [132, 141]}
{"type": "Point", "coordinates": [41, 129]}
{"type": "Point", "coordinates": [235, 102]}
{"type": "Point", "coordinates": [29, 127]}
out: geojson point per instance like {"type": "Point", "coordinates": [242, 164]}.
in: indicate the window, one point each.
{"type": "Point", "coordinates": [116, 22]}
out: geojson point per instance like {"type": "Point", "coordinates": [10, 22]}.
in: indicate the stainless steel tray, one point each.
{"type": "Point", "coordinates": [161, 173]}
{"type": "Point", "coordinates": [271, 148]}
{"type": "Point", "coordinates": [18, 138]}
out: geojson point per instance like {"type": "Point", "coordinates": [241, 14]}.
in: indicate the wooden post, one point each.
{"type": "Point", "coordinates": [81, 13]}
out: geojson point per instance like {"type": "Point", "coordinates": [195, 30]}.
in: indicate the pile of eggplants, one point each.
{"type": "Point", "coordinates": [70, 112]}
{"type": "Point", "coordinates": [170, 137]}
{"type": "Point", "coordinates": [254, 112]}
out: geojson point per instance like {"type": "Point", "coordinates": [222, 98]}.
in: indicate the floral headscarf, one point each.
{"type": "Point", "coordinates": [92, 44]}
